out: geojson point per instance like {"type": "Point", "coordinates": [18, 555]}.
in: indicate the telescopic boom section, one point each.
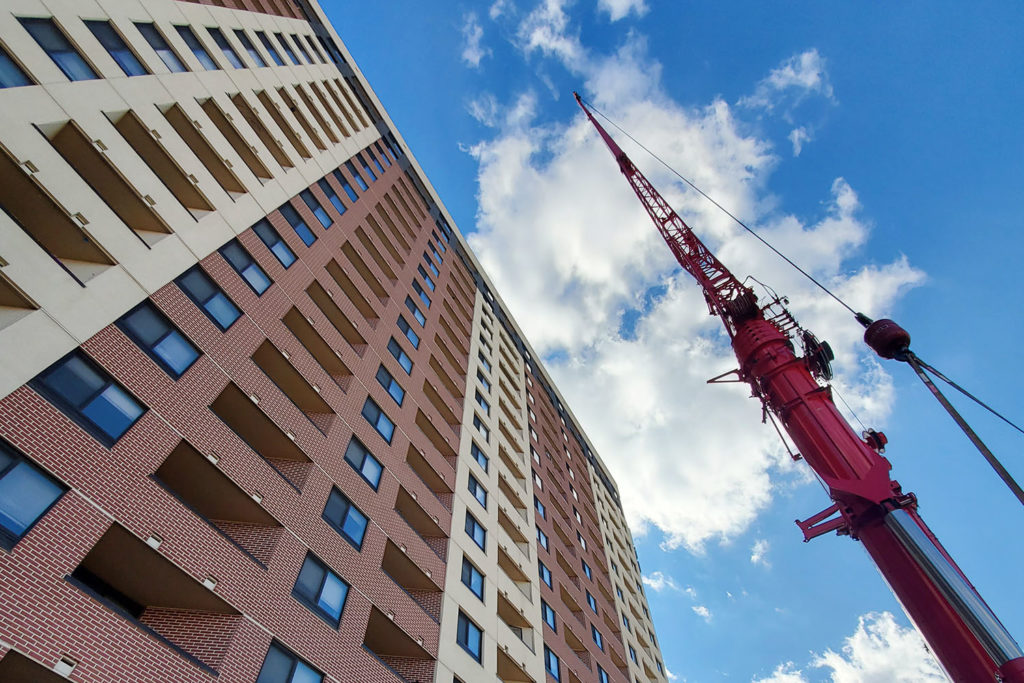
{"type": "Point", "coordinates": [962, 631]}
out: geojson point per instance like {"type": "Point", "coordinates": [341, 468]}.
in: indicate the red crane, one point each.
{"type": "Point", "coordinates": [966, 637]}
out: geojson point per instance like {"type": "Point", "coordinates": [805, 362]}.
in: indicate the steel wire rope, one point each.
{"type": "Point", "coordinates": [726, 212]}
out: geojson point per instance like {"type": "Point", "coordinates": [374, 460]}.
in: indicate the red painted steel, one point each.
{"type": "Point", "coordinates": [857, 475]}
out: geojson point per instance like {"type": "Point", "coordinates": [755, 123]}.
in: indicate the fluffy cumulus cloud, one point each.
{"type": "Point", "coordinates": [759, 553]}
{"type": "Point", "coordinates": [796, 78]}
{"type": "Point", "coordinates": [617, 9]}
{"type": "Point", "coordinates": [473, 34]}
{"type": "Point", "coordinates": [625, 334]}
{"type": "Point", "coordinates": [659, 581]}
{"type": "Point", "coordinates": [879, 651]}
{"type": "Point", "coordinates": [702, 611]}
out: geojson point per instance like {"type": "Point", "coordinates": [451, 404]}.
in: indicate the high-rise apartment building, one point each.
{"type": "Point", "coordinates": [263, 416]}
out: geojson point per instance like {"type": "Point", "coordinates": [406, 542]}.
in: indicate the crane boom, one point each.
{"type": "Point", "coordinates": [966, 637]}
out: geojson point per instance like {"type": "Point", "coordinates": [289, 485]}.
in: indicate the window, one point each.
{"type": "Point", "coordinates": [433, 250]}
{"type": "Point", "coordinates": [198, 286]}
{"type": "Point", "coordinates": [321, 590]}
{"type": "Point", "coordinates": [411, 305]}
{"type": "Point", "coordinates": [389, 383]}
{"type": "Point", "coordinates": [440, 244]}
{"type": "Point", "coordinates": [282, 666]}
{"type": "Point", "coordinates": [332, 196]}
{"type": "Point", "coordinates": [272, 238]}
{"type": "Point", "coordinates": [542, 538]}
{"type": "Point", "coordinates": [591, 602]}
{"type": "Point", "coordinates": [660, 668]}
{"type": "Point", "coordinates": [483, 404]}
{"type": "Point", "coordinates": [548, 615]}
{"type": "Point", "coordinates": [369, 153]}
{"type": "Point", "coordinates": [363, 462]}
{"type": "Point", "coordinates": [470, 637]}
{"type": "Point", "coordinates": [473, 579]}
{"type": "Point", "coordinates": [149, 328]}
{"type": "Point", "coordinates": [478, 455]}
{"type": "Point", "coordinates": [112, 41]}
{"type": "Point", "coordinates": [478, 491]}
{"type": "Point", "coordinates": [576, 513]}
{"type": "Point", "coordinates": [596, 635]}
{"type": "Point", "coordinates": [537, 480]}
{"type": "Point", "coordinates": [586, 570]}
{"type": "Point", "coordinates": [156, 41]}
{"type": "Point", "coordinates": [315, 50]}
{"type": "Point", "coordinates": [583, 541]}
{"type": "Point", "coordinates": [400, 355]}
{"type": "Point", "coordinates": [270, 48]}
{"type": "Point", "coordinates": [345, 517]}
{"type": "Point", "coordinates": [618, 592]}
{"type": "Point", "coordinates": [11, 75]}
{"type": "Point", "coordinates": [632, 654]}
{"type": "Point", "coordinates": [355, 176]}
{"type": "Point", "coordinates": [84, 392]}
{"type": "Point", "coordinates": [545, 573]}
{"type": "Point", "coordinates": [483, 380]}
{"type": "Point", "coordinates": [413, 338]}
{"type": "Point", "coordinates": [298, 225]}
{"type": "Point", "coordinates": [60, 49]}
{"type": "Point", "coordinates": [376, 417]}
{"type": "Point", "coordinates": [302, 48]}
{"type": "Point", "coordinates": [287, 49]}
{"type": "Point", "coordinates": [420, 293]}
{"type": "Point", "coordinates": [366, 167]}
{"type": "Point", "coordinates": [254, 54]}
{"type": "Point", "coordinates": [483, 361]}
{"type": "Point", "coordinates": [479, 424]}
{"type": "Point", "coordinates": [244, 265]}
{"type": "Point", "coordinates": [535, 455]}
{"type": "Point", "coordinates": [541, 510]}
{"type": "Point", "coordinates": [551, 664]}
{"type": "Point", "coordinates": [602, 677]}
{"type": "Point", "coordinates": [625, 622]}
{"type": "Point", "coordinates": [26, 494]}
{"type": "Point", "coordinates": [430, 264]}
{"type": "Point", "coordinates": [197, 48]}
{"type": "Point", "coordinates": [476, 531]}
{"type": "Point", "coordinates": [615, 567]}
{"type": "Point", "coordinates": [229, 52]}
{"type": "Point", "coordinates": [314, 206]}
{"type": "Point", "coordinates": [380, 151]}
{"type": "Point", "coordinates": [345, 185]}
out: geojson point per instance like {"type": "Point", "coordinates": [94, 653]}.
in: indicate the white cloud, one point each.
{"type": "Point", "coordinates": [546, 29]}
{"type": "Point", "coordinates": [784, 673]}
{"type": "Point", "coordinates": [671, 676]}
{"type": "Point", "coordinates": [879, 651]}
{"type": "Point", "coordinates": [498, 8]}
{"type": "Point", "coordinates": [794, 79]}
{"type": "Point", "coordinates": [658, 581]}
{"type": "Point", "coordinates": [473, 34]}
{"type": "Point", "coordinates": [617, 9]}
{"type": "Point", "coordinates": [759, 551]}
{"type": "Point", "coordinates": [798, 137]}
{"type": "Point", "coordinates": [702, 612]}
{"type": "Point", "coordinates": [484, 108]}
{"type": "Point", "coordinates": [572, 251]}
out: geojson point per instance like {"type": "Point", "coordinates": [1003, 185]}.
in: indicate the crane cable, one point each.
{"type": "Point", "coordinates": [728, 213]}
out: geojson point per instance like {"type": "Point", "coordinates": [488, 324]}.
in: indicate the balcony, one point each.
{"type": "Point", "coordinates": [206, 491]}
{"type": "Point", "coordinates": [393, 648]}
{"type": "Point", "coordinates": [413, 580]}
{"type": "Point", "coordinates": [138, 584]}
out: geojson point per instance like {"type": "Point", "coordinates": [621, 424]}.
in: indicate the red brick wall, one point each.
{"type": "Point", "coordinates": [46, 617]}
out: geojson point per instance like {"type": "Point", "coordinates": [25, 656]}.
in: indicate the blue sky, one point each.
{"type": "Point", "coordinates": [879, 146]}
